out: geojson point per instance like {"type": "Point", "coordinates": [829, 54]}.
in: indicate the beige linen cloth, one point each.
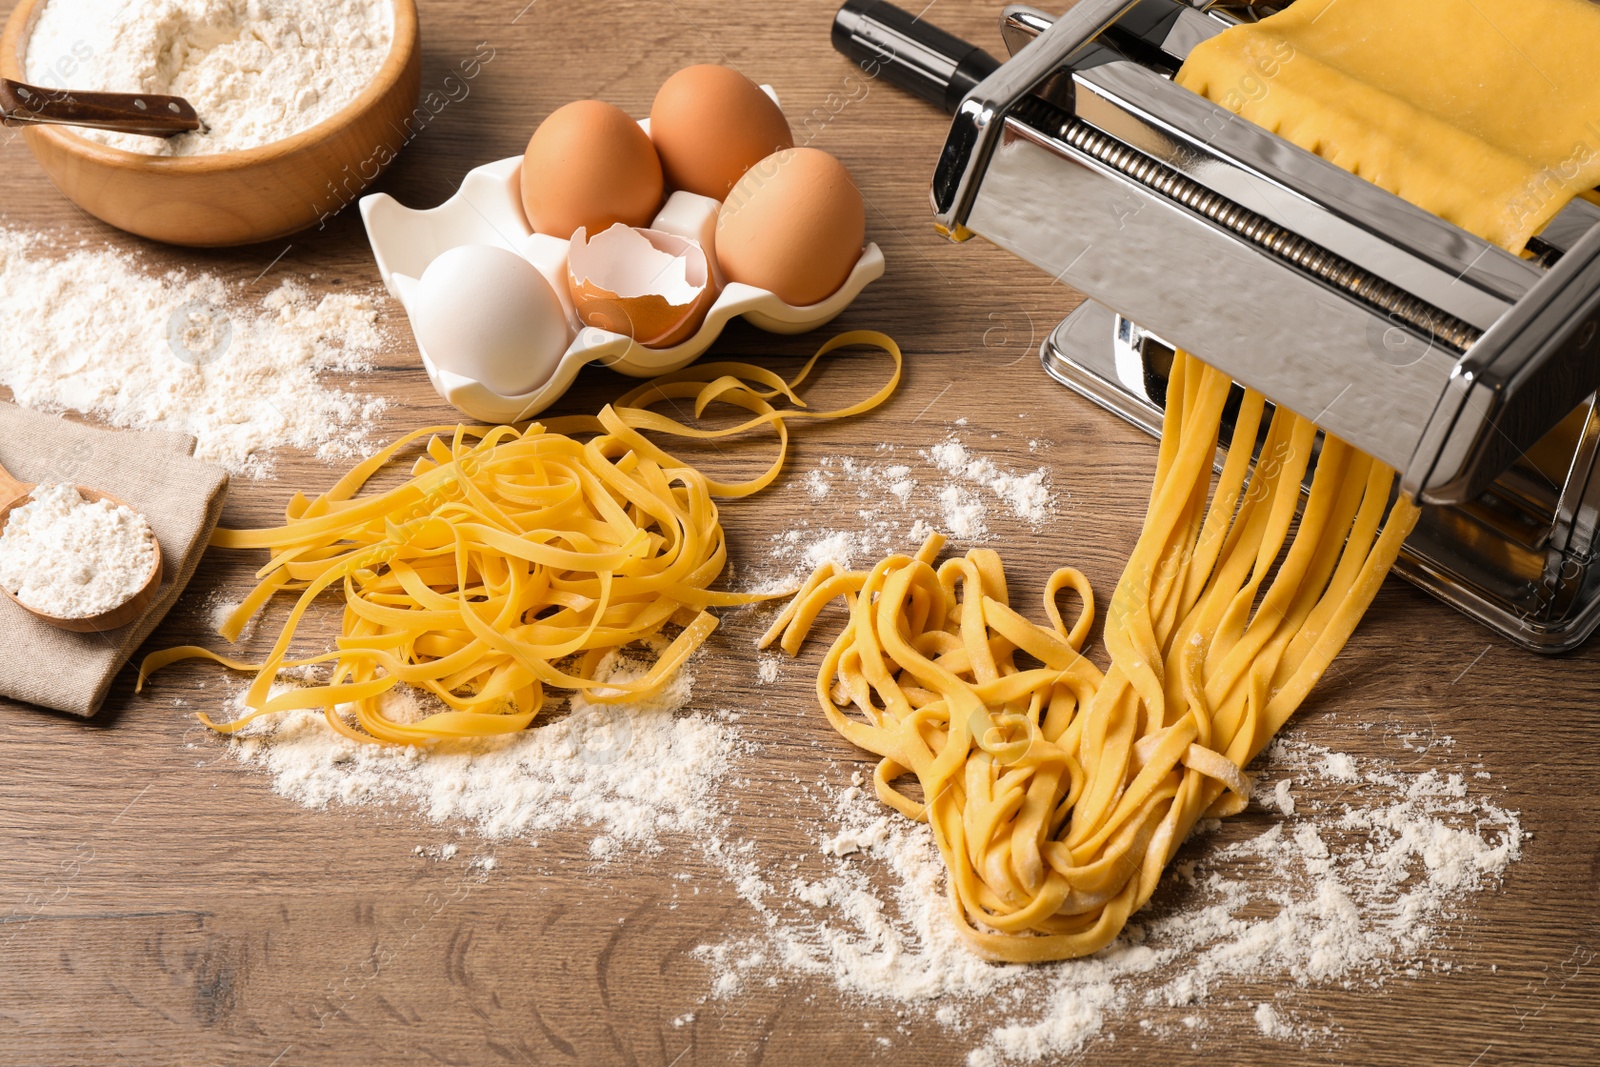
{"type": "Point", "coordinates": [154, 473]}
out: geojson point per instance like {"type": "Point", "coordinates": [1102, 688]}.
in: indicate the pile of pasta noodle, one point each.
{"type": "Point", "coordinates": [513, 559]}
{"type": "Point", "coordinates": [1057, 793]}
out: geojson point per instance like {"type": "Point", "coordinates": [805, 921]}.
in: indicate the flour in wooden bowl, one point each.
{"type": "Point", "coordinates": [256, 71]}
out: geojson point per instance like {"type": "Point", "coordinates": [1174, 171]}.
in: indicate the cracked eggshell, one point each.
{"type": "Point", "coordinates": [652, 286]}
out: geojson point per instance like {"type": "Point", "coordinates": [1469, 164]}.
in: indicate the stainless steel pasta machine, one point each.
{"type": "Point", "coordinates": [1470, 370]}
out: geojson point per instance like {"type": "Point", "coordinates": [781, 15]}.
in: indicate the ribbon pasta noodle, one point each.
{"type": "Point", "coordinates": [1057, 793]}
{"type": "Point", "coordinates": [512, 560]}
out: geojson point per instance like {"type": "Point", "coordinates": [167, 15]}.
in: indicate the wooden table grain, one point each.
{"type": "Point", "coordinates": [159, 904]}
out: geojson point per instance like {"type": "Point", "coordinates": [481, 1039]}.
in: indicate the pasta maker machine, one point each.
{"type": "Point", "coordinates": [1470, 370]}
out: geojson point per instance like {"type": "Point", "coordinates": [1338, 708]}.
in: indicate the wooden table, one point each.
{"type": "Point", "coordinates": [159, 904]}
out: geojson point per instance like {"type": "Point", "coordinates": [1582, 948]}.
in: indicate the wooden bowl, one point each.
{"type": "Point", "coordinates": [233, 198]}
{"type": "Point", "coordinates": [119, 616]}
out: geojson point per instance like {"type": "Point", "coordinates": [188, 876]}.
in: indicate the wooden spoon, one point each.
{"type": "Point", "coordinates": [144, 113]}
{"type": "Point", "coordinates": [13, 494]}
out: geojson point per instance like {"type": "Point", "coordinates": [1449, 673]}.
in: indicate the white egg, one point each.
{"type": "Point", "coordinates": [488, 314]}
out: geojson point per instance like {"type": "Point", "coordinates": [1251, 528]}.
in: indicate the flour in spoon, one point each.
{"type": "Point", "coordinates": [73, 558]}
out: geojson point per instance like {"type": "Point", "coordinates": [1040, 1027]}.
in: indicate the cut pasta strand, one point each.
{"type": "Point", "coordinates": [1057, 793]}
{"type": "Point", "coordinates": [513, 560]}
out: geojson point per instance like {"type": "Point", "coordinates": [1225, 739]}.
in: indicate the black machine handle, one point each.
{"type": "Point", "coordinates": [918, 56]}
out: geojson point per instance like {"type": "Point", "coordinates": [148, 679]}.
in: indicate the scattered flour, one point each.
{"type": "Point", "coordinates": [1283, 797]}
{"type": "Point", "coordinates": [256, 71]}
{"type": "Point", "coordinates": [834, 546]}
{"type": "Point", "coordinates": [629, 771]}
{"type": "Point", "coordinates": [851, 840]}
{"type": "Point", "coordinates": [88, 330]}
{"type": "Point", "coordinates": [1339, 767]}
{"type": "Point", "coordinates": [963, 513]}
{"type": "Point", "coordinates": [953, 490]}
{"type": "Point", "coordinates": [816, 484]}
{"type": "Point", "coordinates": [902, 489]}
{"type": "Point", "coordinates": [1027, 495]}
{"type": "Point", "coordinates": [217, 610]}
{"type": "Point", "coordinates": [1355, 886]}
{"type": "Point", "coordinates": [73, 558]}
{"type": "Point", "coordinates": [1272, 1026]}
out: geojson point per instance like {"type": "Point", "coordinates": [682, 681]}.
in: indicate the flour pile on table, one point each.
{"type": "Point", "coordinates": [1356, 882]}
{"type": "Point", "coordinates": [91, 331]}
{"type": "Point", "coordinates": [630, 772]}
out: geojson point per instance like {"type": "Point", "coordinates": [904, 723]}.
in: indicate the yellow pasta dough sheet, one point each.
{"type": "Point", "coordinates": [1485, 114]}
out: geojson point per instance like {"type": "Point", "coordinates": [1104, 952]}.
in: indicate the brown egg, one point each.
{"type": "Point", "coordinates": [711, 124]}
{"type": "Point", "coordinates": [589, 164]}
{"type": "Point", "coordinates": [793, 225]}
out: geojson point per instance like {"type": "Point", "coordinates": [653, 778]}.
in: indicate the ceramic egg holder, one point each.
{"type": "Point", "coordinates": [487, 209]}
